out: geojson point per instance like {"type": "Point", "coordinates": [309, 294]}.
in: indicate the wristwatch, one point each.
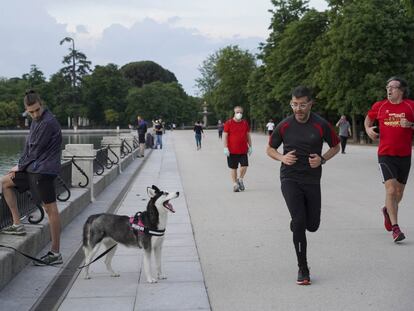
{"type": "Point", "coordinates": [323, 160]}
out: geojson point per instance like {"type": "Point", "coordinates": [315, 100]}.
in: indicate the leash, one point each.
{"type": "Point", "coordinates": [47, 264]}
{"type": "Point", "coordinates": [99, 257]}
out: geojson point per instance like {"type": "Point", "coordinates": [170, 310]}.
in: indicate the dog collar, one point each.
{"type": "Point", "coordinates": [137, 225]}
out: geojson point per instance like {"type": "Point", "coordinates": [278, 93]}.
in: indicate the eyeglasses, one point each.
{"type": "Point", "coordinates": [300, 106]}
{"type": "Point", "coordinates": [391, 87]}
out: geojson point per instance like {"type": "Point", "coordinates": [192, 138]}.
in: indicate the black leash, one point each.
{"type": "Point", "coordinates": [99, 257]}
{"type": "Point", "coordinates": [47, 264]}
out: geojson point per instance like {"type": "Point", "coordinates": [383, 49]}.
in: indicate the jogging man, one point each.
{"type": "Point", "coordinates": [36, 171]}
{"type": "Point", "coordinates": [302, 135]}
{"type": "Point", "coordinates": [395, 117]}
{"type": "Point", "coordinates": [237, 144]}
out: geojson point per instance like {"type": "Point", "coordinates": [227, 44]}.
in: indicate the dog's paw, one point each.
{"type": "Point", "coordinates": [162, 277]}
{"type": "Point", "coordinates": [87, 277]}
{"type": "Point", "coordinates": [115, 275]}
{"type": "Point", "coordinates": [151, 280]}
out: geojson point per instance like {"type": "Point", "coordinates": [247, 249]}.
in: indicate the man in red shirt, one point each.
{"type": "Point", "coordinates": [395, 117]}
{"type": "Point", "coordinates": [237, 144]}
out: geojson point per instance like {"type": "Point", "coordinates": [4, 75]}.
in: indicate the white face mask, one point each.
{"type": "Point", "coordinates": [238, 115]}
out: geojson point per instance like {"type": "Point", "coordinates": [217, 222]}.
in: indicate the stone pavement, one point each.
{"type": "Point", "coordinates": [244, 245]}
{"type": "Point", "coordinates": [246, 248]}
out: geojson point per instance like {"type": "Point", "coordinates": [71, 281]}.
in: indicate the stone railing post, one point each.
{"type": "Point", "coordinates": [114, 142]}
{"type": "Point", "coordinates": [83, 155]}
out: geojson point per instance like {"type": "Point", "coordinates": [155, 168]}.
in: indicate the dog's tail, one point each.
{"type": "Point", "coordinates": [87, 229]}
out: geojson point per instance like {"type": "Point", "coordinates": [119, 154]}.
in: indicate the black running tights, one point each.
{"type": "Point", "coordinates": [304, 204]}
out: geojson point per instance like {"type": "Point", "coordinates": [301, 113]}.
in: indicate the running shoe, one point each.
{"type": "Point", "coordinates": [241, 185]}
{"type": "Point", "coordinates": [236, 187]}
{"type": "Point", "coordinates": [50, 259]}
{"type": "Point", "coordinates": [14, 230]}
{"type": "Point", "coordinates": [387, 221]}
{"type": "Point", "coordinates": [303, 276]}
{"type": "Point", "coordinates": [397, 235]}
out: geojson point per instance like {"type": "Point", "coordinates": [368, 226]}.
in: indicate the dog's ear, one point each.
{"type": "Point", "coordinates": [151, 192]}
{"type": "Point", "coordinates": [156, 188]}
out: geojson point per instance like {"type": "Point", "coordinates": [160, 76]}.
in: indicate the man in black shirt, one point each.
{"type": "Point", "coordinates": [302, 135]}
{"type": "Point", "coordinates": [158, 133]}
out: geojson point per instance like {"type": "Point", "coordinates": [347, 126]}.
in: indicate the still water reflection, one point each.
{"type": "Point", "coordinates": [11, 146]}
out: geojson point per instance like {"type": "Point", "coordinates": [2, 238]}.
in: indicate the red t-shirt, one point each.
{"type": "Point", "coordinates": [394, 139]}
{"type": "Point", "coordinates": [237, 136]}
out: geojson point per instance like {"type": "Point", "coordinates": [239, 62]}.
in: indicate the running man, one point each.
{"type": "Point", "coordinates": [302, 135]}
{"type": "Point", "coordinates": [395, 117]}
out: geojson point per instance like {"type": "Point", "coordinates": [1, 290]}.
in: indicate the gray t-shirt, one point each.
{"type": "Point", "coordinates": [344, 128]}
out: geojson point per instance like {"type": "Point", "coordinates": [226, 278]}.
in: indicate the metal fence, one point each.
{"type": "Point", "coordinates": [28, 208]}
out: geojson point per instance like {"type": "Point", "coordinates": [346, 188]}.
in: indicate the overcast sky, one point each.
{"type": "Point", "coordinates": [177, 34]}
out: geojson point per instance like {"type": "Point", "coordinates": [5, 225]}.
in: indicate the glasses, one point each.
{"type": "Point", "coordinates": [300, 106]}
{"type": "Point", "coordinates": [391, 87]}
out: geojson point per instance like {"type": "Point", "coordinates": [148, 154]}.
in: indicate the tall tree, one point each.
{"type": "Point", "coordinates": [226, 74]}
{"type": "Point", "coordinates": [105, 89]}
{"type": "Point", "coordinates": [145, 72]}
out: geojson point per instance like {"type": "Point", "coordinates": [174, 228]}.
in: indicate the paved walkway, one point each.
{"type": "Point", "coordinates": [246, 247]}
{"type": "Point", "coordinates": [244, 243]}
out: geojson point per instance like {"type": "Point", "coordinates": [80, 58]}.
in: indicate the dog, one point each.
{"type": "Point", "coordinates": [144, 230]}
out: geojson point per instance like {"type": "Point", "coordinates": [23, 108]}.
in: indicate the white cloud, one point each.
{"type": "Point", "coordinates": [177, 34]}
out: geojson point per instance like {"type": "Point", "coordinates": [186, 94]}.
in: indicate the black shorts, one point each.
{"type": "Point", "coordinates": [141, 138]}
{"type": "Point", "coordinates": [234, 159]}
{"type": "Point", "coordinates": [394, 167]}
{"type": "Point", "coordinates": [41, 186]}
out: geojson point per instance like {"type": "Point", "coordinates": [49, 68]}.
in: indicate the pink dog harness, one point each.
{"type": "Point", "coordinates": [138, 226]}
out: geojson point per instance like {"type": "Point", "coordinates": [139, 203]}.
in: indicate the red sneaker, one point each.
{"type": "Point", "coordinates": [387, 221]}
{"type": "Point", "coordinates": [397, 235]}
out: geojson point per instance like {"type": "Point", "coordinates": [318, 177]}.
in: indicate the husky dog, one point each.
{"type": "Point", "coordinates": [144, 230]}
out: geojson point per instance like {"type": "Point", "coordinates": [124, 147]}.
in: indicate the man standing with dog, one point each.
{"type": "Point", "coordinates": [395, 116]}
{"type": "Point", "coordinates": [237, 144]}
{"type": "Point", "coordinates": [36, 171]}
{"type": "Point", "coordinates": [302, 135]}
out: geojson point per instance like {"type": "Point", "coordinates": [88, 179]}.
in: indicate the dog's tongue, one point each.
{"type": "Point", "coordinates": [170, 207]}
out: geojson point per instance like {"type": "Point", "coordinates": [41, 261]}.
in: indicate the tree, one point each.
{"type": "Point", "coordinates": [367, 43]}
{"type": "Point", "coordinates": [288, 64]}
{"type": "Point", "coordinates": [224, 77]}
{"type": "Point", "coordinates": [145, 72]}
{"type": "Point", "coordinates": [35, 77]}
{"type": "Point", "coordinates": [105, 89]}
{"type": "Point", "coordinates": [9, 114]}
{"type": "Point", "coordinates": [284, 12]}
{"type": "Point", "coordinates": [161, 100]}
{"type": "Point", "coordinates": [77, 64]}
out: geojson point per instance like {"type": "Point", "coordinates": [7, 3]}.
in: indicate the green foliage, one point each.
{"type": "Point", "coordinates": [9, 114]}
{"type": "Point", "coordinates": [105, 89]}
{"type": "Point", "coordinates": [367, 43]}
{"type": "Point", "coordinates": [111, 117]}
{"type": "Point", "coordinates": [161, 100]}
{"type": "Point", "coordinates": [224, 80]}
{"type": "Point", "coordinates": [145, 72]}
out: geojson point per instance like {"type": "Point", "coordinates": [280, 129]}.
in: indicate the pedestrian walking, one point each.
{"type": "Point", "coordinates": [237, 145]}
{"type": "Point", "coordinates": [269, 127]}
{"type": "Point", "coordinates": [302, 135]}
{"type": "Point", "coordinates": [36, 171]}
{"type": "Point", "coordinates": [141, 129]}
{"type": "Point", "coordinates": [395, 116]}
{"type": "Point", "coordinates": [344, 131]}
{"type": "Point", "coordinates": [220, 128]}
{"type": "Point", "coordinates": [159, 131]}
{"type": "Point", "coordinates": [198, 130]}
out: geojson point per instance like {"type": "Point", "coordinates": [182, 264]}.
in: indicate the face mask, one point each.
{"type": "Point", "coordinates": [238, 116]}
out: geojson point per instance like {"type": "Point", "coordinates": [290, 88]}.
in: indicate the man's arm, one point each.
{"type": "Point", "coordinates": [369, 129]}
{"type": "Point", "coordinates": [287, 159]}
